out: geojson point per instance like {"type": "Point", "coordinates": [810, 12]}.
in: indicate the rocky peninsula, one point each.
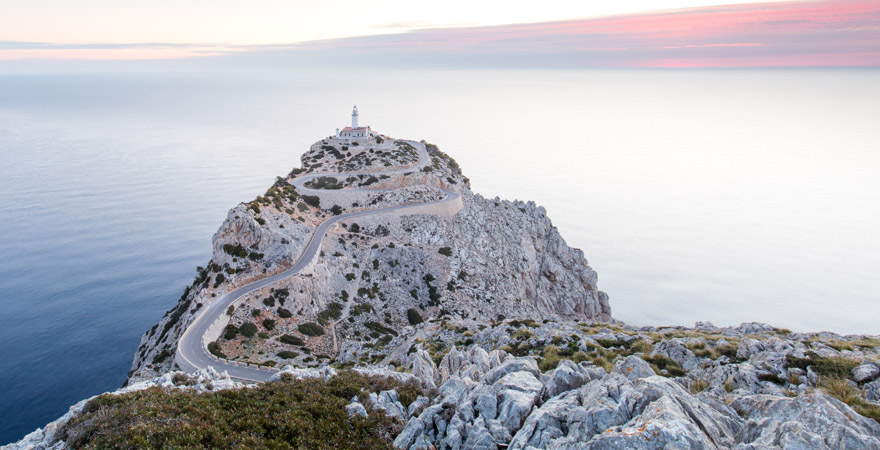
{"type": "Point", "coordinates": [370, 299]}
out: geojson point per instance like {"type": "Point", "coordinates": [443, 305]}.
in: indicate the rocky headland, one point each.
{"type": "Point", "coordinates": [458, 322]}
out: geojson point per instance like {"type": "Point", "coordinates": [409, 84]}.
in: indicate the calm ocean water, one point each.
{"type": "Point", "coordinates": [727, 196]}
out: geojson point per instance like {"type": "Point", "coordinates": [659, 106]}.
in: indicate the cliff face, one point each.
{"type": "Point", "coordinates": [492, 260]}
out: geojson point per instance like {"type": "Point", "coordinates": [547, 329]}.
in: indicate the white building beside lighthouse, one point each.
{"type": "Point", "coordinates": [354, 132]}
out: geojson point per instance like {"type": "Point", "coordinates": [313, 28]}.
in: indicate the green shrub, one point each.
{"type": "Point", "coordinates": [311, 329]}
{"type": "Point", "coordinates": [219, 280]}
{"type": "Point", "coordinates": [312, 200]}
{"type": "Point", "coordinates": [294, 414]}
{"type": "Point", "coordinates": [350, 276]}
{"type": "Point", "coordinates": [336, 210]}
{"type": "Point", "coordinates": [254, 256]}
{"type": "Point", "coordinates": [230, 332]}
{"type": "Point", "coordinates": [261, 220]}
{"type": "Point", "coordinates": [248, 329]}
{"type": "Point", "coordinates": [333, 311]}
{"type": "Point", "coordinates": [286, 354]}
{"type": "Point", "coordinates": [292, 340]}
{"type": "Point", "coordinates": [413, 316]}
{"type": "Point", "coordinates": [379, 328]}
{"type": "Point", "coordinates": [214, 348]}
{"type": "Point", "coordinates": [235, 250]}
{"type": "Point", "coordinates": [361, 308]}
{"type": "Point", "coordinates": [284, 313]}
{"type": "Point", "coordinates": [445, 251]}
{"type": "Point", "coordinates": [269, 324]}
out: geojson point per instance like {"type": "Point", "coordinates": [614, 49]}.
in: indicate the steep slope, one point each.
{"type": "Point", "coordinates": [376, 275]}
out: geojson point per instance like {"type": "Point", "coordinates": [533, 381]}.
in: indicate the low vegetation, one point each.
{"type": "Point", "coordinates": [290, 414]}
{"type": "Point", "coordinates": [413, 316]}
{"type": "Point", "coordinates": [310, 329]}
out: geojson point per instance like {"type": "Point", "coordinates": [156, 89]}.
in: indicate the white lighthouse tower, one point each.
{"type": "Point", "coordinates": [355, 131]}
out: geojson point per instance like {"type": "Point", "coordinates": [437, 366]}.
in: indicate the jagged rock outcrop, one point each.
{"type": "Point", "coordinates": [599, 386]}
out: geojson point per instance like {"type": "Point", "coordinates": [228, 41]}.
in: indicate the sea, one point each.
{"type": "Point", "coordinates": [697, 195]}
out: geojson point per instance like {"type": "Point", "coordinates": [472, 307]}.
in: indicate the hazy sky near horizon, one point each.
{"type": "Point", "coordinates": [456, 33]}
{"type": "Point", "coordinates": [257, 22]}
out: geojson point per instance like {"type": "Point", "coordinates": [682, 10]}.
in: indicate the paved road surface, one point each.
{"type": "Point", "coordinates": [192, 353]}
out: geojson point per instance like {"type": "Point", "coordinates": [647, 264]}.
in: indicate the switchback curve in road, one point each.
{"type": "Point", "coordinates": [192, 348]}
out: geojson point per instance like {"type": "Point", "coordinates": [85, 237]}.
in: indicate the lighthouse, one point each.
{"type": "Point", "coordinates": [355, 131]}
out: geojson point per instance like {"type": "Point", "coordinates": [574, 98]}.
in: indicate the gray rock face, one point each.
{"type": "Point", "coordinates": [816, 421]}
{"type": "Point", "coordinates": [356, 409]}
{"type": "Point", "coordinates": [582, 407]}
{"type": "Point", "coordinates": [633, 368]}
{"type": "Point", "coordinates": [872, 391]}
{"type": "Point", "coordinates": [424, 369]}
{"type": "Point", "coordinates": [865, 371]}
{"type": "Point", "coordinates": [568, 376]}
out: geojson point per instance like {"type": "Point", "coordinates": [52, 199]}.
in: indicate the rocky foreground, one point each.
{"type": "Point", "coordinates": [567, 385]}
{"type": "Point", "coordinates": [483, 330]}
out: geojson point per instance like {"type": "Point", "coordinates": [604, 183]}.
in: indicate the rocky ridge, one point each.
{"type": "Point", "coordinates": [570, 385]}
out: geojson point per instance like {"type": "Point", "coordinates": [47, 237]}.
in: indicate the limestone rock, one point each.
{"type": "Point", "coordinates": [633, 368]}
{"type": "Point", "coordinates": [866, 371]}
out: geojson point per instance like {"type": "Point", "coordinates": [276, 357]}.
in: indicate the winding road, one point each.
{"type": "Point", "coordinates": [192, 348]}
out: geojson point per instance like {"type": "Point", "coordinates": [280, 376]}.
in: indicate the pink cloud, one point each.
{"type": "Point", "coordinates": [801, 33]}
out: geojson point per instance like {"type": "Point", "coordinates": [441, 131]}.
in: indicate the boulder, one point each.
{"type": "Point", "coordinates": [866, 371]}
{"type": "Point", "coordinates": [424, 369]}
{"type": "Point", "coordinates": [632, 367]}
{"type": "Point", "coordinates": [356, 409]}
{"type": "Point", "coordinates": [511, 365]}
{"type": "Point", "coordinates": [568, 376]}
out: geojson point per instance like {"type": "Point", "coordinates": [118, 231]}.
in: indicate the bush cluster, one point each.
{"type": "Point", "coordinates": [311, 329]}
{"type": "Point", "coordinates": [247, 329]}
{"type": "Point", "coordinates": [290, 414]}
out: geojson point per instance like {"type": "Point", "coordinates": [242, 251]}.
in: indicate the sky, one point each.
{"type": "Point", "coordinates": [549, 33]}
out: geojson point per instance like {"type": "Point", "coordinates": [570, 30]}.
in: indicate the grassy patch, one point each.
{"type": "Point", "coordinates": [833, 367]}
{"type": "Point", "coordinates": [840, 389]}
{"type": "Point", "coordinates": [698, 385]}
{"type": "Point", "coordinates": [660, 363]}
